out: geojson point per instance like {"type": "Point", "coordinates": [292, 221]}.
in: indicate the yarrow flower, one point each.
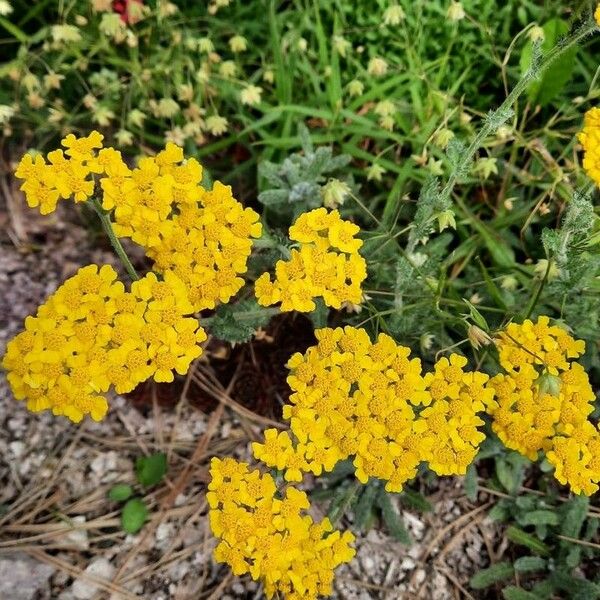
{"type": "Point", "coordinates": [543, 401]}
{"type": "Point", "coordinates": [204, 237]}
{"type": "Point", "coordinates": [267, 535]}
{"type": "Point", "coordinates": [92, 334]}
{"type": "Point", "coordinates": [67, 174]}
{"type": "Point", "coordinates": [590, 140]}
{"type": "Point", "coordinates": [370, 401]}
{"type": "Point", "coordinates": [327, 264]}
{"type": "Point", "coordinates": [207, 244]}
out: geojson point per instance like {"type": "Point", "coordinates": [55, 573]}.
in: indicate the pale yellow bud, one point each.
{"type": "Point", "coordinates": [548, 270]}
{"type": "Point", "coordinates": [216, 124]}
{"type": "Point", "coordinates": [205, 45]}
{"type": "Point", "coordinates": [446, 219]}
{"type": "Point", "coordinates": [478, 337]}
{"type": "Point", "coordinates": [393, 15]}
{"type": "Point", "coordinates": [227, 69]}
{"type": "Point", "coordinates": [377, 66]}
{"type": "Point", "coordinates": [426, 342]}
{"type": "Point", "coordinates": [334, 193]}
{"type": "Point", "coordinates": [456, 12]}
{"type": "Point", "coordinates": [102, 115]}
{"type": "Point", "coordinates": [536, 34]}
{"type": "Point", "coordinates": [375, 172]}
{"type": "Point", "coordinates": [356, 88]}
{"type": "Point", "coordinates": [385, 108]}
{"type": "Point", "coordinates": [167, 107]}
{"type": "Point", "coordinates": [124, 137]}
{"type": "Point", "coordinates": [443, 137]}
{"type": "Point", "coordinates": [251, 95]}
{"type": "Point", "coordinates": [387, 123]}
{"type": "Point", "coordinates": [136, 117]}
{"type": "Point", "coordinates": [52, 80]}
{"type": "Point", "coordinates": [341, 45]}
{"type": "Point", "coordinates": [185, 92]}
{"type": "Point", "coordinates": [35, 100]}
{"type": "Point", "coordinates": [238, 43]}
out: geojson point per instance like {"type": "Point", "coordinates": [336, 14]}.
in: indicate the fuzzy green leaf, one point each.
{"type": "Point", "coordinates": [151, 469]}
{"type": "Point", "coordinates": [526, 564]}
{"type": "Point", "coordinates": [470, 483]}
{"type": "Point", "coordinates": [512, 592]}
{"type": "Point", "coordinates": [539, 517]}
{"type": "Point", "coordinates": [120, 492]}
{"type": "Point", "coordinates": [574, 516]}
{"type": "Point", "coordinates": [364, 506]}
{"type": "Point", "coordinates": [134, 515]}
{"type": "Point", "coordinates": [518, 536]}
{"type": "Point", "coordinates": [415, 500]}
{"type": "Point", "coordinates": [236, 323]}
{"type": "Point", "coordinates": [392, 519]}
{"type": "Point", "coordinates": [487, 577]}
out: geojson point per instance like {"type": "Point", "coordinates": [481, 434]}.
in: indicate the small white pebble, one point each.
{"type": "Point", "coordinates": [17, 448]}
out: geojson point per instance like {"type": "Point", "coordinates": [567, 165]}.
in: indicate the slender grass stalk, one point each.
{"type": "Point", "coordinates": [114, 240]}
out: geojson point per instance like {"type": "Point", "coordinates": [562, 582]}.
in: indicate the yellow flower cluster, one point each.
{"type": "Point", "coordinates": [543, 401]}
{"type": "Point", "coordinates": [590, 140]}
{"type": "Point", "coordinates": [65, 175]}
{"type": "Point", "coordinates": [269, 537]}
{"type": "Point", "coordinates": [204, 237]}
{"type": "Point", "coordinates": [370, 400]}
{"type": "Point", "coordinates": [326, 265]}
{"type": "Point", "coordinates": [92, 333]}
{"type": "Point", "coordinates": [208, 246]}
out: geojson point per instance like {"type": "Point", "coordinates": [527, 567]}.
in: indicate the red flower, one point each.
{"type": "Point", "coordinates": [122, 7]}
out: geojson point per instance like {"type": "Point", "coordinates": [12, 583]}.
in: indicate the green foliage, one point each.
{"type": "Point", "coordinates": [236, 323]}
{"type": "Point", "coordinates": [295, 186]}
{"type": "Point", "coordinates": [545, 531]}
{"type": "Point", "coordinates": [495, 574]}
{"type": "Point", "coordinates": [392, 520]}
{"type": "Point", "coordinates": [120, 492]}
{"type": "Point", "coordinates": [134, 515]}
{"type": "Point", "coordinates": [150, 470]}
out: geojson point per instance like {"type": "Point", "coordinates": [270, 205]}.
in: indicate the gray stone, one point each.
{"type": "Point", "coordinates": [23, 578]}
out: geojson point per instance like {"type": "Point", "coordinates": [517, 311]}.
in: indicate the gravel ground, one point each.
{"type": "Point", "coordinates": [59, 534]}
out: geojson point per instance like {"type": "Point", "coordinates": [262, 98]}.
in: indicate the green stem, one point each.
{"type": "Point", "coordinates": [536, 297]}
{"type": "Point", "coordinates": [114, 240]}
{"type": "Point", "coordinates": [499, 116]}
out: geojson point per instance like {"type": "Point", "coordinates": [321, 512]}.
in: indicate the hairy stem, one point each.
{"type": "Point", "coordinates": [114, 240]}
{"type": "Point", "coordinates": [501, 114]}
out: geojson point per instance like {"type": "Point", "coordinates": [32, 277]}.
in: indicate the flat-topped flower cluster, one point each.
{"type": "Point", "coordinates": [371, 401]}
{"type": "Point", "coordinates": [327, 265]}
{"type": "Point", "coordinates": [267, 534]}
{"type": "Point", "coordinates": [543, 402]}
{"type": "Point", "coordinates": [92, 334]}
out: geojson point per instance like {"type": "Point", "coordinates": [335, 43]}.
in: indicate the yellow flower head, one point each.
{"type": "Point", "coordinates": [327, 264]}
{"type": "Point", "coordinates": [92, 334]}
{"type": "Point", "coordinates": [370, 401]}
{"type": "Point", "coordinates": [543, 401]}
{"type": "Point", "coordinates": [590, 137]}
{"type": "Point", "coordinates": [271, 538]}
{"type": "Point", "coordinates": [65, 175]}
